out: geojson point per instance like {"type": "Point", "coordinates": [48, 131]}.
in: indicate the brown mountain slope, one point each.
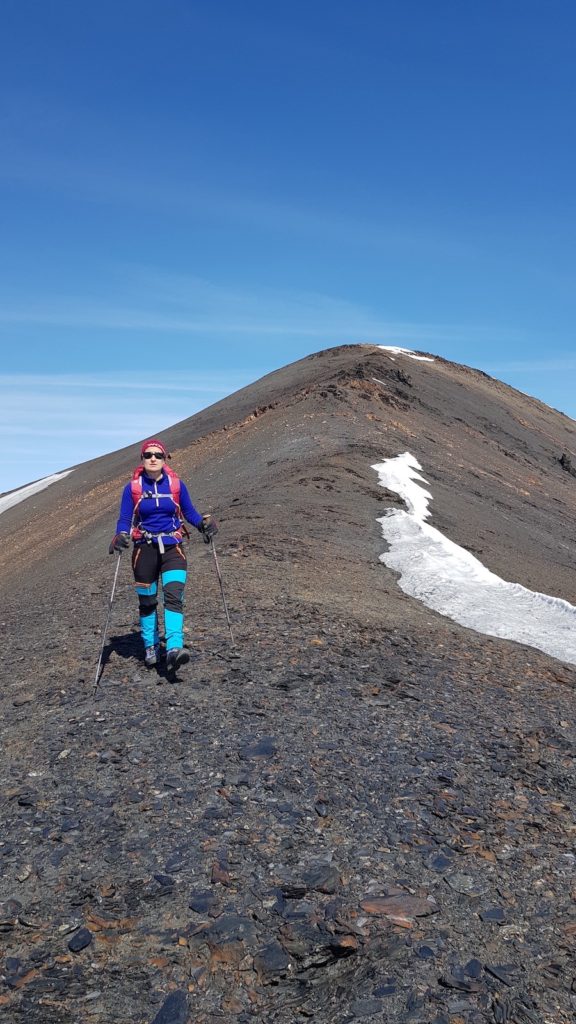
{"type": "Point", "coordinates": [290, 457]}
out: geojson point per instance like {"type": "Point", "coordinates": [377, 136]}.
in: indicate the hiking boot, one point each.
{"type": "Point", "coordinates": [175, 658]}
{"type": "Point", "coordinates": [151, 657]}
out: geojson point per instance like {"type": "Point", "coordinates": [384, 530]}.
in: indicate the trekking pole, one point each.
{"type": "Point", "coordinates": [97, 677]}
{"type": "Point", "coordinates": [211, 542]}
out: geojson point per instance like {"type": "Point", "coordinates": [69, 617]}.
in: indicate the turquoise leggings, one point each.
{"type": "Point", "coordinates": [170, 567]}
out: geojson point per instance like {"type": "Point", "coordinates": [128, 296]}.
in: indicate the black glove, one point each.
{"type": "Point", "coordinates": [208, 527]}
{"type": "Point", "coordinates": [119, 542]}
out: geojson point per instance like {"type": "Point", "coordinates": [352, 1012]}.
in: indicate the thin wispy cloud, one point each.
{"type": "Point", "coordinates": [554, 364]}
{"type": "Point", "coordinates": [26, 165]}
{"type": "Point", "coordinates": [186, 304]}
{"type": "Point", "coordinates": [56, 421]}
{"type": "Point", "coordinates": [41, 385]}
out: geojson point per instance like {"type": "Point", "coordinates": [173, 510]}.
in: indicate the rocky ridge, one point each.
{"type": "Point", "coordinates": [363, 811]}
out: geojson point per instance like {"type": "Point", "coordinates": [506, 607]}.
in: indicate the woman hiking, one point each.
{"type": "Point", "coordinates": [153, 508]}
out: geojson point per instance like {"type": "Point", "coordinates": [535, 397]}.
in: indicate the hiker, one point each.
{"type": "Point", "coordinates": [153, 508]}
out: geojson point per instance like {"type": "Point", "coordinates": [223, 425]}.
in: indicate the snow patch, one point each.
{"type": "Point", "coordinates": [15, 497]}
{"type": "Point", "coordinates": [451, 581]}
{"type": "Point", "coordinates": [405, 352]}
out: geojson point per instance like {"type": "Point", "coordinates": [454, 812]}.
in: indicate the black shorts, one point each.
{"type": "Point", "coordinates": [149, 563]}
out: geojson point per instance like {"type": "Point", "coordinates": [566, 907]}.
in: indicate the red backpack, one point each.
{"type": "Point", "coordinates": [138, 493]}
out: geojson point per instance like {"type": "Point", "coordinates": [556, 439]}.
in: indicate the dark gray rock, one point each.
{"type": "Point", "coordinates": [202, 902]}
{"type": "Point", "coordinates": [265, 748]}
{"type": "Point", "coordinates": [362, 1008]}
{"type": "Point", "coordinates": [271, 961]}
{"type": "Point", "coordinates": [506, 973]}
{"type": "Point", "coordinates": [174, 1010]}
{"type": "Point", "coordinates": [494, 914]}
{"type": "Point", "coordinates": [323, 878]}
{"type": "Point", "coordinates": [80, 940]}
{"type": "Point", "coordinates": [231, 927]}
{"type": "Point", "coordinates": [473, 969]}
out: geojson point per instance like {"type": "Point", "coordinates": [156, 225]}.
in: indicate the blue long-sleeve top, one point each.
{"type": "Point", "coordinates": [157, 511]}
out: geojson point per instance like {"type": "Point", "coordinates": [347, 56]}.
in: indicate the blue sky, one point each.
{"type": "Point", "coordinates": [193, 194]}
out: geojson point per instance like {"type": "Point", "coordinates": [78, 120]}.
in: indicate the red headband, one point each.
{"type": "Point", "coordinates": [156, 444]}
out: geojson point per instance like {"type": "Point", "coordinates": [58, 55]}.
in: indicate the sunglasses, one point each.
{"type": "Point", "coordinates": [153, 455]}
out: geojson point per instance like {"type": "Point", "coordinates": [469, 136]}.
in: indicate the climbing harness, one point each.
{"type": "Point", "coordinates": [138, 494]}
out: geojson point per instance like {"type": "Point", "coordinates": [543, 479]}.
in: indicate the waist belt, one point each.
{"type": "Point", "coordinates": [151, 537]}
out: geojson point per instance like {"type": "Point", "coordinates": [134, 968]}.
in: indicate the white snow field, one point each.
{"type": "Point", "coordinates": [22, 493]}
{"type": "Point", "coordinates": [405, 352]}
{"type": "Point", "coordinates": [451, 581]}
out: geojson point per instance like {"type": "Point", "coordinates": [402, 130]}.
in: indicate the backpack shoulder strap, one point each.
{"type": "Point", "coordinates": [174, 482]}
{"type": "Point", "coordinates": [137, 494]}
{"type": "Point", "coordinates": [136, 485]}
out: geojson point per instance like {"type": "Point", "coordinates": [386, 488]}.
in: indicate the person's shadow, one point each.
{"type": "Point", "coordinates": [129, 647]}
{"type": "Point", "coordinates": [125, 645]}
